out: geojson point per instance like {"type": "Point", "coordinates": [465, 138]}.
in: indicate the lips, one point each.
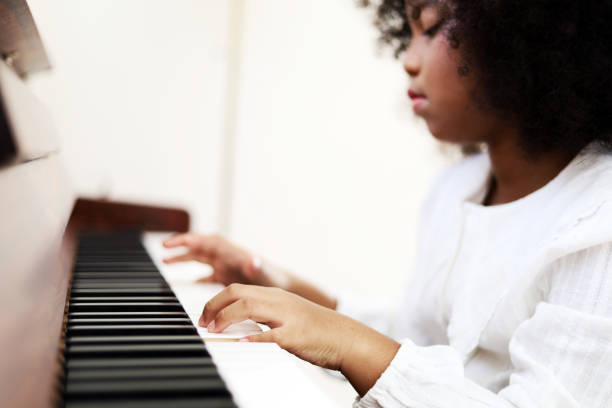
{"type": "Point", "coordinates": [419, 100]}
{"type": "Point", "coordinates": [415, 95]}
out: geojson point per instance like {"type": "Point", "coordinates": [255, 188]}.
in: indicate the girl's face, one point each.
{"type": "Point", "coordinates": [439, 94]}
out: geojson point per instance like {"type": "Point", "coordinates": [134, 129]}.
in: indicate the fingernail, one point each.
{"type": "Point", "coordinates": [244, 340]}
{"type": "Point", "coordinates": [211, 326]}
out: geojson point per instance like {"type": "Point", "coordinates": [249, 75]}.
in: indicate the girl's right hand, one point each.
{"type": "Point", "coordinates": [230, 263]}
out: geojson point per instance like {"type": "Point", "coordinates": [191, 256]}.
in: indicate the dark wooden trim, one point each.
{"type": "Point", "coordinates": [107, 215]}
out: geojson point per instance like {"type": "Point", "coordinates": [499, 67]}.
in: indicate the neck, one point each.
{"type": "Point", "coordinates": [516, 174]}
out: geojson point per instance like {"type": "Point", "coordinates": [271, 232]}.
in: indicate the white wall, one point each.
{"type": "Point", "coordinates": [138, 92]}
{"type": "Point", "coordinates": [330, 166]}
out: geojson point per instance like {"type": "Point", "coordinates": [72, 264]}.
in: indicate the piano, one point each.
{"type": "Point", "coordinates": [89, 316]}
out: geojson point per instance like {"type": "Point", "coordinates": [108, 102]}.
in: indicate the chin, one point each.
{"type": "Point", "coordinates": [446, 135]}
{"type": "Point", "coordinates": [439, 134]}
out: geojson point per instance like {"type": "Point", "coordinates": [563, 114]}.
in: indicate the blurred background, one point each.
{"type": "Point", "coordinates": [274, 122]}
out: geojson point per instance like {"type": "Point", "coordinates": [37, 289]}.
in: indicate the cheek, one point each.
{"type": "Point", "coordinates": [462, 124]}
{"type": "Point", "coordinates": [447, 86]}
{"type": "Point", "coordinates": [449, 93]}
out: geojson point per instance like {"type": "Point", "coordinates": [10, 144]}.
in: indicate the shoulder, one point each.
{"type": "Point", "coordinates": [586, 192]}
{"type": "Point", "coordinates": [591, 171]}
{"type": "Point", "coordinates": [580, 209]}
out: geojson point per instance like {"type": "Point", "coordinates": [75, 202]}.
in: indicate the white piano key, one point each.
{"type": "Point", "coordinates": [235, 331]}
{"type": "Point", "coordinates": [264, 375]}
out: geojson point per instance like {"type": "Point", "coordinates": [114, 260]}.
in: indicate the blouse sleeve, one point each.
{"type": "Point", "coordinates": [561, 355]}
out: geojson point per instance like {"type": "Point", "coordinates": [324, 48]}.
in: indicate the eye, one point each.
{"type": "Point", "coordinates": [433, 30]}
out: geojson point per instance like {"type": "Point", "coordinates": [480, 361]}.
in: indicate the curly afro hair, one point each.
{"type": "Point", "coordinates": [543, 64]}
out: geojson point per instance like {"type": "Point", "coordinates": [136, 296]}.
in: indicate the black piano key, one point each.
{"type": "Point", "coordinates": [99, 246]}
{"type": "Point", "coordinates": [125, 285]}
{"type": "Point", "coordinates": [127, 277]}
{"type": "Point", "coordinates": [141, 373]}
{"type": "Point", "coordinates": [111, 263]}
{"type": "Point", "coordinates": [133, 255]}
{"type": "Point", "coordinates": [139, 363]}
{"type": "Point", "coordinates": [128, 340]}
{"type": "Point", "coordinates": [125, 280]}
{"type": "Point", "coordinates": [135, 350]}
{"type": "Point", "coordinates": [119, 285]}
{"type": "Point", "coordinates": [134, 339]}
{"type": "Point", "coordinates": [115, 299]}
{"type": "Point", "coordinates": [140, 272]}
{"type": "Point", "coordinates": [122, 292]}
{"type": "Point", "coordinates": [144, 388]}
{"type": "Point", "coordinates": [121, 281]}
{"type": "Point", "coordinates": [126, 315]}
{"type": "Point", "coordinates": [130, 330]}
{"type": "Point", "coordinates": [116, 275]}
{"type": "Point", "coordinates": [114, 254]}
{"type": "Point", "coordinates": [76, 322]}
{"type": "Point", "coordinates": [115, 268]}
{"type": "Point", "coordinates": [123, 248]}
{"type": "Point", "coordinates": [176, 402]}
{"type": "Point", "coordinates": [126, 307]}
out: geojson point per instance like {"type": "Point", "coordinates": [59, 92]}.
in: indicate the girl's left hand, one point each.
{"type": "Point", "coordinates": [312, 332]}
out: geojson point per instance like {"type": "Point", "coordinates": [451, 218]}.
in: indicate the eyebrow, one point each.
{"type": "Point", "coordinates": [417, 7]}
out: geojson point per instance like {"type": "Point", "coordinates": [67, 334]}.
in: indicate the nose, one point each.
{"type": "Point", "coordinates": [411, 61]}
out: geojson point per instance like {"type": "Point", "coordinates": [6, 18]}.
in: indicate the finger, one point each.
{"type": "Point", "coordinates": [180, 258]}
{"type": "Point", "coordinates": [226, 297]}
{"type": "Point", "coordinates": [241, 310]}
{"type": "Point", "coordinates": [270, 336]}
{"type": "Point", "coordinates": [175, 240]}
{"type": "Point", "coordinates": [219, 301]}
{"type": "Point", "coordinates": [203, 244]}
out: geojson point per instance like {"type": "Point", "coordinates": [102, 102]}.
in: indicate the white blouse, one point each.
{"type": "Point", "coordinates": [509, 305]}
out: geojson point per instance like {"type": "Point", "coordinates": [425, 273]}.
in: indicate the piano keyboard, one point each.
{"type": "Point", "coordinates": [128, 340]}
{"type": "Point", "coordinates": [259, 375]}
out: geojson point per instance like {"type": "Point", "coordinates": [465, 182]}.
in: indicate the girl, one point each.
{"type": "Point", "coordinates": [511, 300]}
